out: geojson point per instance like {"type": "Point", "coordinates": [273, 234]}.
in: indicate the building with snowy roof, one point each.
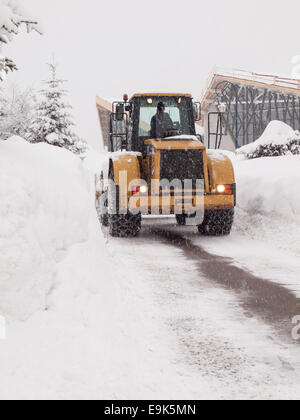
{"type": "Point", "coordinates": [237, 106]}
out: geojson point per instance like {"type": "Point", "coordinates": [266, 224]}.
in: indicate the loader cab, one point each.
{"type": "Point", "coordinates": [178, 108]}
{"type": "Point", "coordinates": [131, 122]}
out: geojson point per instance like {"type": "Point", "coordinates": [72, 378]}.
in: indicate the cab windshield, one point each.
{"type": "Point", "coordinates": [164, 117]}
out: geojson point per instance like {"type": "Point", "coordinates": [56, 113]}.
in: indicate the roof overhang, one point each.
{"type": "Point", "coordinates": [104, 108]}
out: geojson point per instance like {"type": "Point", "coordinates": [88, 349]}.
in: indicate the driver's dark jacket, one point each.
{"type": "Point", "coordinates": [168, 125]}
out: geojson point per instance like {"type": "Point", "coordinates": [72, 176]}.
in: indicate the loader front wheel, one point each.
{"type": "Point", "coordinates": [124, 225]}
{"type": "Point", "coordinates": [181, 219]}
{"type": "Point", "coordinates": [217, 223]}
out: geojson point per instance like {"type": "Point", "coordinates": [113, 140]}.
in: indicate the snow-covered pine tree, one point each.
{"type": "Point", "coordinates": [268, 150]}
{"type": "Point", "coordinates": [3, 114]}
{"type": "Point", "coordinates": [290, 146]}
{"type": "Point", "coordinates": [16, 112]}
{"type": "Point", "coordinates": [53, 123]}
{"type": "Point", "coordinates": [294, 144]}
{"type": "Point", "coordinates": [12, 17]}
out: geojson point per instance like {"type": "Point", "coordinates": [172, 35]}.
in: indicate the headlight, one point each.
{"type": "Point", "coordinates": [221, 189]}
{"type": "Point", "coordinates": [224, 189]}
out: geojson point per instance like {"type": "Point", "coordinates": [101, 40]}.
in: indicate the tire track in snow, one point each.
{"type": "Point", "coordinates": [270, 302]}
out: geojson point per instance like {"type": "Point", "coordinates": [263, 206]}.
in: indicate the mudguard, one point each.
{"type": "Point", "coordinates": [220, 169]}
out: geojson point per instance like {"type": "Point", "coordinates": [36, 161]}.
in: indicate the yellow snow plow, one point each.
{"type": "Point", "coordinates": [158, 166]}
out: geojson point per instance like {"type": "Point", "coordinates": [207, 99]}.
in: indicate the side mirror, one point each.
{"type": "Point", "coordinates": [120, 112]}
{"type": "Point", "coordinates": [129, 109]}
{"type": "Point", "coordinates": [197, 111]}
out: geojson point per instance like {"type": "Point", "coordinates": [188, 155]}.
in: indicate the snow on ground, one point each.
{"type": "Point", "coordinates": [266, 232]}
{"type": "Point", "coordinates": [216, 351]}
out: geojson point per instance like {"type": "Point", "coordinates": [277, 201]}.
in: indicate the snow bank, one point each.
{"type": "Point", "coordinates": [269, 212]}
{"type": "Point", "coordinates": [278, 139]}
{"type": "Point", "coordinates": [94, 160]}
{"type": "Point", "coordinates": [58, 291]}
{"type": "Point", "coordinates": [265, 238]}
{"type": "Point", "coordinates": [117, 155]}
{"type": "Point", "coordinates": [46, 208]}
{"type": "Point", "coordinates": [266, 232]}
{"type": "Point", "coordinates": [269, 186]}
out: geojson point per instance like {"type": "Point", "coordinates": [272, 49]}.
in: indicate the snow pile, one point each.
{"type": "Point", "coordinates": [278, 139]}
{"type": "Point", "coordinates": [269, 186]}
{"type": "Point", "coordinates": [117, 155]}
{"type": "Point", "coordinates": [46, 208]}
{"type": "Point", "coordinates": [265, 238]}
{"type": "Point", "coordinates": [268, 218]}
{"type": "Point", "coordinates": [219, 155]}
{"type": "Point", "coordinates": [58, 291]}
{"type": "Point", "coordinates": [94, 160]}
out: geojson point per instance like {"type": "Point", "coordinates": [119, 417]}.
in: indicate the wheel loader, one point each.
{"type": "Point", "coordinates": [159, 166]}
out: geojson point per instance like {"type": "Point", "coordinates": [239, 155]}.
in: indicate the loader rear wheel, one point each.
{"type": "Point", "coordinates": [217, 222]}
{"type": "Point", "coordinates": [104, 220]}
{"type": "Point", "coordinates": [103, 210]}
{"type": "Point", "coordinates": [124, 225]}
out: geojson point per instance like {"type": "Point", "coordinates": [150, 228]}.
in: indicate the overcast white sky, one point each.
{"type": "Point", "coordinates": [108, 47]}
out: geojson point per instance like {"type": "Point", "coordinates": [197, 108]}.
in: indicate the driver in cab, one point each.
{"type": "Point", "coordinates": [161, 122]}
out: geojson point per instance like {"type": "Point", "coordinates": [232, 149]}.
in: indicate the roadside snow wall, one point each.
{"type": "Point", "coordinates": [269, 186]}
{"type": "Point", "coordinates": [268, 175]}
{"type": "Point", "coordinates": [46, 209]}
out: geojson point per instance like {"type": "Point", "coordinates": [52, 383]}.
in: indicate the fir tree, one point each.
{"type": "Point", "coordinates": [16, 112]}
{"type": "Point", "coordinates": [53, 123]}
{"type": "Point", "coordinates": [12, 17]}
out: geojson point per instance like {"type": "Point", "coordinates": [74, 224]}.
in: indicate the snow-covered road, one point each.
{"type": "Point", "coordinates": [218, 330]}
{"type": "Point", "coordinates": [167, 315]}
